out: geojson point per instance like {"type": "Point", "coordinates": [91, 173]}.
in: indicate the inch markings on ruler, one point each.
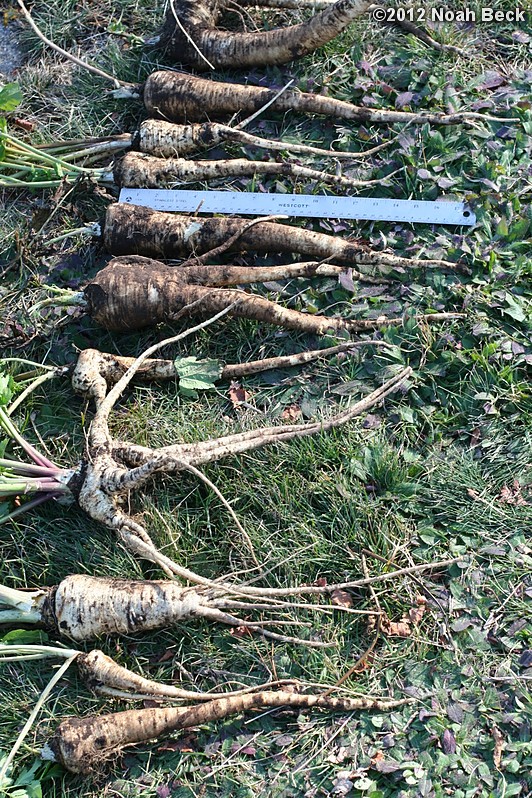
{"type": "Point", "coordinates": [320, 206]}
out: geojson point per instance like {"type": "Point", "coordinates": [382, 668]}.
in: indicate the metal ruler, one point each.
{"type": "Point", "coordinates": [320, 206]}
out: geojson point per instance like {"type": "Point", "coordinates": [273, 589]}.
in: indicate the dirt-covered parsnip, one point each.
{"type": "Point", "coordinates": [95, 371]}
{"type": "Point", "coordinates": [82, 744]}
{"type": "Point", "coordinates": [178, 97]}
{"type": "Point", "coordinates": [170, 140]}
{"type": "Point", "coordinates": [138, 170]}
{"type": "Point", "coordinates": [135, 230]}
{"type": "Point", "coordinates": [84, 608]}
{"type": "Point", "coordinates": [110, 470]}
{"type": "Point", "coordinates": [104, 676]}
{"type": "Point", "coordinates": [133, 292]}
{"type": "Point", "coordinates": [191, 35]}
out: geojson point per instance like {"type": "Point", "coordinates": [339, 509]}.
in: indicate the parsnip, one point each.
{"type": "Point", "coordinates": [135, 230]}
{"type": "Point", "coordinates": [191, 36]}
{"type": "Point", "coordinates": [178, 97]}
{"type": "Point", "coordinates": [135, 292]}
{"type": "Point", "coordinates": [138, 170]}
{"type": "Point", "coordinates": [81, 744]}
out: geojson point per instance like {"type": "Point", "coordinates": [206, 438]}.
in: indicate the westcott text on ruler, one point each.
{"type": "Point", "coordinates": [320, 206]}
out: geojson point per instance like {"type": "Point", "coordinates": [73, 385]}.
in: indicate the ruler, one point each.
{"type": "Point", "coordinates": [320, 206]}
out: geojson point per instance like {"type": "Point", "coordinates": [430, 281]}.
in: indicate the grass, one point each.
{"type": "Point", "coordinates": [430, 476]}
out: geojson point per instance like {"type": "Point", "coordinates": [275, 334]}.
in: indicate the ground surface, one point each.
{"type": "Point", "coordinates": [443, 470]}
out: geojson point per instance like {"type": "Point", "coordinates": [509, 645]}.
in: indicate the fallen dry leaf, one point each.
{"type": "Point", "coordinates": [25, 124]}
{"type": "Point", "coordinates": [498, 740]}
{"type": "Point", "coordinates": [241, 631]}
{"type": "Point", "coordinates": [400, 628]}
{"type": "Point", "coordinates": [372, 623]}
{"type": "Point", "coordinates": [166, 655]}
{"type": "Point", "coordinates": [185, 744]}
{"type": "Point", "coordinates": [416, 613]}
{"type": "Point", "coordinates": [448, 742]}
{"type": "Point", "coordinates": [365, 663]}
{"type": "Point", "coordinates": [512, 495]}
{"type": "Point", "coordinates": [476, 436]}
{"type": "Point", "coordinates": [237, 394]}
{"type": "Point", "coordinates": [291, 413]}
{"type": "Point", "coordinates": [341, 598]}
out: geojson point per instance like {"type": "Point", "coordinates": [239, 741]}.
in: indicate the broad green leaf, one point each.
{"type": "Point", "coordinates": [6, 388]}
{"type": "Point", "coordinates": [515, 308]}
{"type": "Point", "coordinates": [26, 778]}
{"type": "Point", "coordinates": [519, 230]}
{"type": "Point", "coordinates": [502, 228]}
{"type": "Point", "coordinates": [32, 790]}
{"type": "Point", "coordinates": [24, 637]}
{"type": "Point", "coordinates": [10, 97]}
{"type": "Point", "coordinates": [197, 375]}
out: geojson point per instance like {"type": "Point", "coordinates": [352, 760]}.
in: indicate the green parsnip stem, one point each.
{"type": "Point", "coordinates": [42, 479]}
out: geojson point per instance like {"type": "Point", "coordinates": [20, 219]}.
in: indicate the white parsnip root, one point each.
{"type": "Point", "coordinates": [138, 170]}
{"type": "Point", "coordinates": [82, 744]}
{"type": "Point", "coordinates": [136, 230]}
{"type": "Point", "coordinates": [84, 608]}
{"type": "Point", "coordinates": [178, 97]}
{"type": "Point", "coordinates": [133, 292]}
{"type": "Point", "coordinates": [95, 371]}
{"type": "Point", "coordinates": [169, 140]}
{"type": "Point", "coordinates": [191, 35]}
{"type": "Point", "coordinates": [114, 469]}
{"type": "Point", "coordinates": [104, 676]}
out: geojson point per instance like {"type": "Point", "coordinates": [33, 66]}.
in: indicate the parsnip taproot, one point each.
{"type": "Point", "coordinates": [191, 36]}
{"type": "Point", "coordinates": [104, 676]}
{"type": "Point", "coordinates": [112, 469]}
{"type": "Point", "coordinates": [135, 230]}
{"type": "Point", "coordinates": [178, 97]}
{"type": "Point", "coordinates": [84, 608]}
{"type": "Point", "coordinates": [80, 744]}
{"type": "Point", "coordinates": [83, 744]}
{"type": "Point", "coordinates": [171, 140]}
{"type": "Point", "coordinates": [95, 371]}
{"type": "Point", "coordinates": [133, 292]}
{"type": "Point", "coordinates": [42, 480]}
{"type": "Point", "coordinates": [139, 170]}
{"type": "Point", "coordinates": [115, 468]}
